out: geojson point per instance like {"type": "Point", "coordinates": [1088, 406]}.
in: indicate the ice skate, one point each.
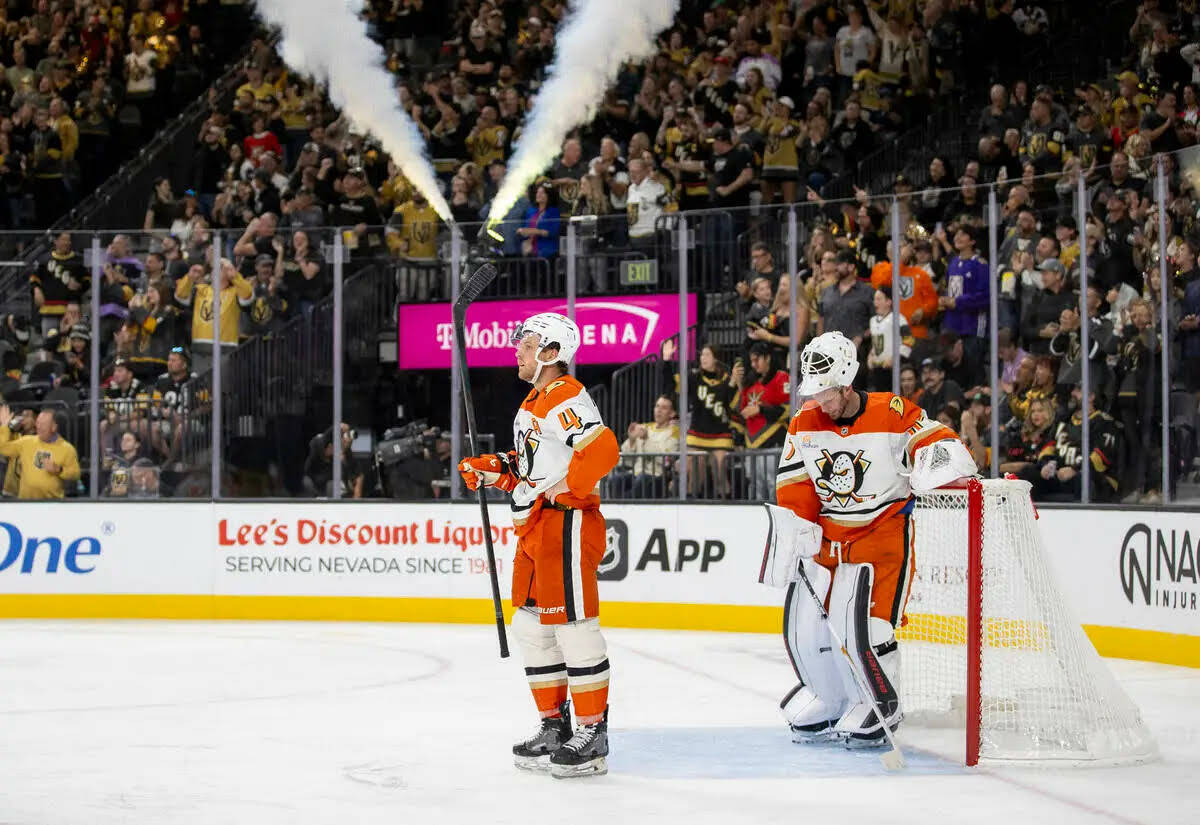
{"type": "Point", "coordinates": [584, 753]}
{"type": "Point", "coordinates": [533, 754]}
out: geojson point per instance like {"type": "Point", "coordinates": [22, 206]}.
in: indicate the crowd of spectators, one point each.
{"type": "Point", "coordinates": [1034, 143]}
{"type": "Point", "coordinates": [745, 103]}
{"type": "Point", "coordinates": [84, 85]}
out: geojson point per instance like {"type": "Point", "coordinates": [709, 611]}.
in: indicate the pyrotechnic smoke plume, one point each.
{"type": "Point", "coordinates": [594, 40]}
{"type": "Point", "coordinates": [327, 39]}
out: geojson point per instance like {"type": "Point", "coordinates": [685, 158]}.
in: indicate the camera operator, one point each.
{"type": "Point", "coordinates": [318, 468]}
{"type": "Point", "coordinates": [410, 459]}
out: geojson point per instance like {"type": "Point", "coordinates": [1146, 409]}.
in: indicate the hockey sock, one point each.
{"type": "Point", "coordinates": [587, 668]}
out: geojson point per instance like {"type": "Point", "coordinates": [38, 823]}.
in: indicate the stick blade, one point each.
{"type": "Point", "coordinates": [476, 284]}
{"type": "Point", "coordinates": [893, 760]}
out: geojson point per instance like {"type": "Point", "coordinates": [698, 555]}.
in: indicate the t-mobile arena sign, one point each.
{"type": "Point", "coordinates": [614, 330]}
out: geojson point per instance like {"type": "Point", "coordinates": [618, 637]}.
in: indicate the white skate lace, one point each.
{"type": "Point", "coordinates": [582, 738]}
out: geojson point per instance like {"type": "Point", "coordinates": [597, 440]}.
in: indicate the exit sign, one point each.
{"type": "Point", "coordinates": [639, 273]}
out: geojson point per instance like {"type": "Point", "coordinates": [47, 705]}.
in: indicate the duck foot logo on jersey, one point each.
{"type": "Point", "coordinates": [841, 477]}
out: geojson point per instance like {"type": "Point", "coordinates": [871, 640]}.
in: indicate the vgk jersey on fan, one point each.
{"type": "Point", "coordinates": [1094, 147]}
{"type": "Point", "coordinates": [551, 426]}
{"type": "Point", "coordinates": [850, 473]}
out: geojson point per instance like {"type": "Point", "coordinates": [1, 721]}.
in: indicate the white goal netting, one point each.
{"type": "Point", "coordinates": [1044, 692]}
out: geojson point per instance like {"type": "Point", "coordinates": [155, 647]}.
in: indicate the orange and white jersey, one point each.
{"type": "Point", "coordinates": [850, 473]}
{"type": "Point", "coordinates": [559, 437]}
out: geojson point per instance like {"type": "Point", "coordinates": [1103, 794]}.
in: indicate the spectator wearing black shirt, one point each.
{"type": "Point", "coordinates": [959, 369]}
{"type": "Point", "coordinates": [1119, 179]}
{"type": "Point", "coordinates": [999, 115]}
{"type": "Point", "coordinates": [264, 197]}
{"type": "Point", "coordinates": [732, 171]}
{"type": "Point", "coordinates": [479, 60]}
{"type": "Point", "coordinates": [717, 93]}
{"type": "Point", "coordinates": [356, 208]}
{"type": "Point", "coordinates": [301, 269]}
{"type": "Point", "coordinates": [1160, 127]}
{"type": "Point", "coordinates": [318, 468]}
{"type": "Point", "coordinates": [46, 169]}
{"type": "Point", "coordinates": [1041, 321]}
{"type": "Point", "coordinates": [819, 158]}
{"type": "Point", "coordinates": [175, 398]}
{"type": "Point", "coordinates": [1089, 142]}
{"type": "Point", "coordinates": [268, 306]}
{"type": "Point", "coordinates": [995, 158]}
{"type": "Point", "coordinates": [209, 165]}
{"type": "Point", "coordinates": [939, 392]}
{"type": "Point", "coordinates": [1042, 138]}
{"type": "Point", "coordinates": [60, 279]}
{"type": "Point", "coordinates": [852, 135]}
{"type": "Point", "coordinates": [154, 321]}
{"type": "Point", "coordinates": [968, 204]}
{"type": "Point", "coordinates": [258, 239]}
{"type": "Point", "coordinates": [1121, 234]}
{"type": "Point", "coordinates": [566, 173]}
{"type": "Point", "coordinates": [163, 208]}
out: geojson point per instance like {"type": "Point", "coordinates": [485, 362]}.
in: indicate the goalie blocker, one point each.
{"type": "Point", "coordinates": [849, 467]}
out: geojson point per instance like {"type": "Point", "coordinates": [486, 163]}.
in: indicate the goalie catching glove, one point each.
{"type": "Point", "coordinates": [490, 470]}
{"type": "Point", "coordinates": [791, 540]}
{"type": "Point", "coordinates": [940, 463]}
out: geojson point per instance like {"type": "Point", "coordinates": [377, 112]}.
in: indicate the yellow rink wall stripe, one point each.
{"type": "Point", "coordinates": [1120, 642]}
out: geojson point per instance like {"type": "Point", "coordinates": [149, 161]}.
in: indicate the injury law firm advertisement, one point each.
{"type": "Point", "coordinates": [611, 331]}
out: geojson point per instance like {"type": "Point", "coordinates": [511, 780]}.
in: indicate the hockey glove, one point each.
{"type": "Point", "coordinates": [491, 470]}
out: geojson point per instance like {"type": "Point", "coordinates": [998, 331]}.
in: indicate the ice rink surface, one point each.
{"type": "Point", "coordinates": [157, 722]}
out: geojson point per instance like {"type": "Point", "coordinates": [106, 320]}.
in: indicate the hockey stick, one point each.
{"type": "Point", "coordinates": [893, 760]}
{"type": "Point", "coordinates": [471, 290]}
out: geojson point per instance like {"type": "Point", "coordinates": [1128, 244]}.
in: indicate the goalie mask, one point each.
{"type": "Point", "coordinates": [552, 329]}
{"type": "Point", "coordinates": [829, 361]}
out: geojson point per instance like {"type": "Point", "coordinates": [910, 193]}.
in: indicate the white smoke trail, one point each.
{"type": "Point", "coordinates": [327, 39]}
{"type": "Point", "coordinates": [594, 40]}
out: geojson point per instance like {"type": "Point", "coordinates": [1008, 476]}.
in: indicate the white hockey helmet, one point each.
{"type": "Point", "coordinates": [829, 360]}
{"type": "Point", "coordinates": [553, 330]}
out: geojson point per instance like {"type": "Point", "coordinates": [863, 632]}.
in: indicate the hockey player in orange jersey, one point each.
{"type": "Point", "coordinates": [562, 452]}
{"type": "Point", "coordinates": [849, 467]}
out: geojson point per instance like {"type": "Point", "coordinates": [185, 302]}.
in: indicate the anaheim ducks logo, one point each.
{"type": "Point", "coordinates": [841, 476]}
{"type": "Point", "coordinates": [527, 447]}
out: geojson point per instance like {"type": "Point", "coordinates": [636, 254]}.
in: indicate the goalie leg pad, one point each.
{"type": "Point", "coordinates": [814, 705]}
{"type": "Point", "coordinates": [871, 641]}
{"type": "Point", "coordinates": [586, 656]}
{"type": "Point", "coordinates": [545, 666]}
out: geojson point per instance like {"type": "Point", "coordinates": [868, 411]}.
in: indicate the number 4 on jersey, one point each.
{"type": "Point", "coordinates": [569, 419]}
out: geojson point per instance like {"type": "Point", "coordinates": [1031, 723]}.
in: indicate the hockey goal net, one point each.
{"type": "Point", "coordinates": [992, 645]}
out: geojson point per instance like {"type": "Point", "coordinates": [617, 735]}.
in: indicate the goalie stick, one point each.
{"type": "Point", "coordinates": [471, 290]}
{"type": "Point", "coordinates": [893, 760]}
